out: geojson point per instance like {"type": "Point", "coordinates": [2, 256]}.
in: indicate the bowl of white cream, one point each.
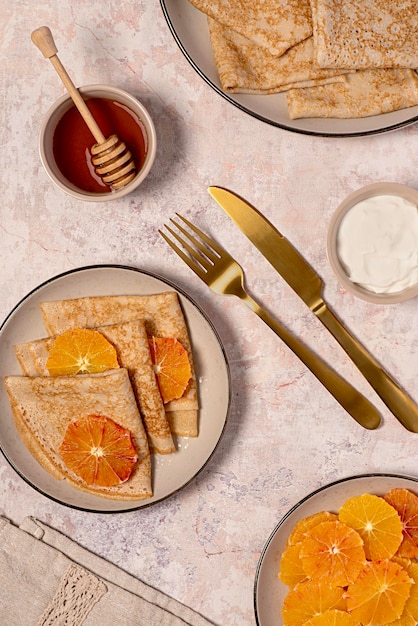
{"type": "Point", "coordinates": [372, 243]}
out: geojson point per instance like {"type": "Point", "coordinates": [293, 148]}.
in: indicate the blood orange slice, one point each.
{"type": "Point", "coordinates": [333, 552]}
{"type": "Point", "coordinates": [380, 592]}
{"type": "Point", "coordinates": [406, 504]}
{"type": "Point", "coordinates": [291, 570]}
{"type": "Point", "coordinates": [377, 522]}
{"type": "Point", "coordinates": [310, 598]}
{"type": "Point", "coordinates": [81, 351]}
{"type": "Point", "coordinates": [304, 525]}
{"type": "Point", "coordinates": [332, 618]}
{"type": "Point", "coordinates": [409, 615]}
{"type": "Point", "coordinates": [99, 451]}
{"type": "Point", "coordinates": [171, 366]}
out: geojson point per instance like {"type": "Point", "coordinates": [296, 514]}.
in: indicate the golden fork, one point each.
{"type": "Point", "coordinates": [225, 276]}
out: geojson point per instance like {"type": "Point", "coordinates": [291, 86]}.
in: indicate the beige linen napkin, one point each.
{"type": "Point", "coordinates": [48, 580]}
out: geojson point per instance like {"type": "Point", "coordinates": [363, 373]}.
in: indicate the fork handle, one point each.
{"type": "Point", "coordinates": [350, 399]}
{"type": "Point", "coordinates": [395, 398]}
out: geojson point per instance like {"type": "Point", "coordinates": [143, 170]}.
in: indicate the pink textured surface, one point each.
{"type": "Point", "coordinates": [286, 435]}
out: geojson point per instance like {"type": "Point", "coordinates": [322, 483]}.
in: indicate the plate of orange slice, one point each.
{"type": "Point", "coordinates": [345, 555]}
{"type": "Point", "coordinates": [170, 472]}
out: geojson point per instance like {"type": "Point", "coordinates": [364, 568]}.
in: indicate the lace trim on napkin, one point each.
{"type": "Point", "coordinates": [76, 595]}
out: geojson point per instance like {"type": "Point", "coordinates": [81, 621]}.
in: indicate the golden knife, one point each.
{"type": "Point", "coordinates": [293, 268]}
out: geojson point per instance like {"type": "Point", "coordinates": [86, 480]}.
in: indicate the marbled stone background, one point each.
{"type": "Point", "coordinates": [286, 435]}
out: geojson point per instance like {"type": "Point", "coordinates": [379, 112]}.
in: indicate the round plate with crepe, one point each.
{"type": "Point", "coordinates": [169, 472]}
{"type": "Point", "coordinates": [189, 27]}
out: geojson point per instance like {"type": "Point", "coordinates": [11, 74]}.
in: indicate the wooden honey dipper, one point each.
{"type": "Point", "coordinates": [111, 158]}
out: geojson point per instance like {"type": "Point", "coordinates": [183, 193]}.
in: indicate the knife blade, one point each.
{"type": "Point", "coordinates": [308, 285]}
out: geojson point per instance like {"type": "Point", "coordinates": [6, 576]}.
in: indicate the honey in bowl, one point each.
{"type": "Point", "coordinates": [73, 140]}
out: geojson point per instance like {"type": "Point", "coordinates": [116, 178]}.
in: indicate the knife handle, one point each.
{"type": "Point", "coordinates": [395, 398]}
{"type": "Point", "coordinates": [350, 399]}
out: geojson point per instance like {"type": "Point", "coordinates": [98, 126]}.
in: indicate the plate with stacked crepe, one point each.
{"type": "Point", "coordinates": [316, 67]}
{"type": "Point", "coordinates": [45, 410]}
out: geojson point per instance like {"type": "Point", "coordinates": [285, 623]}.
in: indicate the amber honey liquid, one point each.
{"type": "Point", "coordinates": [73, 140]}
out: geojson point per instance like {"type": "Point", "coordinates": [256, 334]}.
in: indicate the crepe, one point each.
{"type": "Point", "coordinates": [131, 343]}
{"type": "Point", "coordinates": [275, 25]}
{"type": "Point", "coordinates": [365, 34]}
{"type": "Point", "coordinates": [368, 92]}
{"type": "Point", "coordinates": [43, 408]}
{"type": "Point", "coordinates": [163, 317]}
{"type": "Point", "coordinates": [245, 67]}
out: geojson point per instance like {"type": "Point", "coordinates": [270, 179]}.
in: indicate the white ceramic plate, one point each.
{"type": "Point", "coordinates": [269, 591]}
{"type": "Point", "coordinates": [190, 30]}
{"type": "Point", "coordinates": [170, 472]}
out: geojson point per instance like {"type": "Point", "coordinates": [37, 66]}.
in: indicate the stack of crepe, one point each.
{"type": "Point", "coordinates": [128, 395]}
{"type": "Point", "coordinates": [43, 407]}
{"type": "Point", "coordinates": [333, 58]}
{"type": "Point", "coordinates": [163, 317]}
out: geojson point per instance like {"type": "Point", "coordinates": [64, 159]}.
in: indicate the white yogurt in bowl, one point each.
{"type": "Point", "coordinates": [373, 243]}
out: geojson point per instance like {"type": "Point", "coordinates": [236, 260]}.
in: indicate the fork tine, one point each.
{"type": "Point", "coordinates": [201, 255]}
{"type": "Point", "coordinates": [212, 245]}
{"type": "Point", "coordinates": [197, 269]}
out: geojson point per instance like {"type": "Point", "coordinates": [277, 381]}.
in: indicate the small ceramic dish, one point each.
{"type": "Point", "coordinates": [333, 243]}
{"type": "Point", "coordinates": [138, 116]}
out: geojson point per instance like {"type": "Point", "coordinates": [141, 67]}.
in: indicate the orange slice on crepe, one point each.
{"type": "Point", "coordinates": [171, 366]}
{"type": "Point", "coordinates": [81, 351]}
{"type": "Point", "coordinates": [99, 451]}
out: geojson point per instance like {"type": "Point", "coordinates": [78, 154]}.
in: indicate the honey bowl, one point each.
{"type": "Point", "coordinates": [372, 243]}
{"type": "Point", "coordinates": [65, 141]}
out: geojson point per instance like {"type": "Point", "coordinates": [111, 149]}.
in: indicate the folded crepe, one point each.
{"type": "Point", "coordinates": [163, 317]}
{"type": "Point", "coordinates": [275, 25]}
{"type": "Point", "coordinates": [131, 343]}
{"type": "Point", "coordinates": [43, 408]}
{"type": "Point", "coordinates": [365, 34]}
{"type": "Point", "coordinates": [245, 67]}
{"type": "Point", "coordinates": [368, 92]}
